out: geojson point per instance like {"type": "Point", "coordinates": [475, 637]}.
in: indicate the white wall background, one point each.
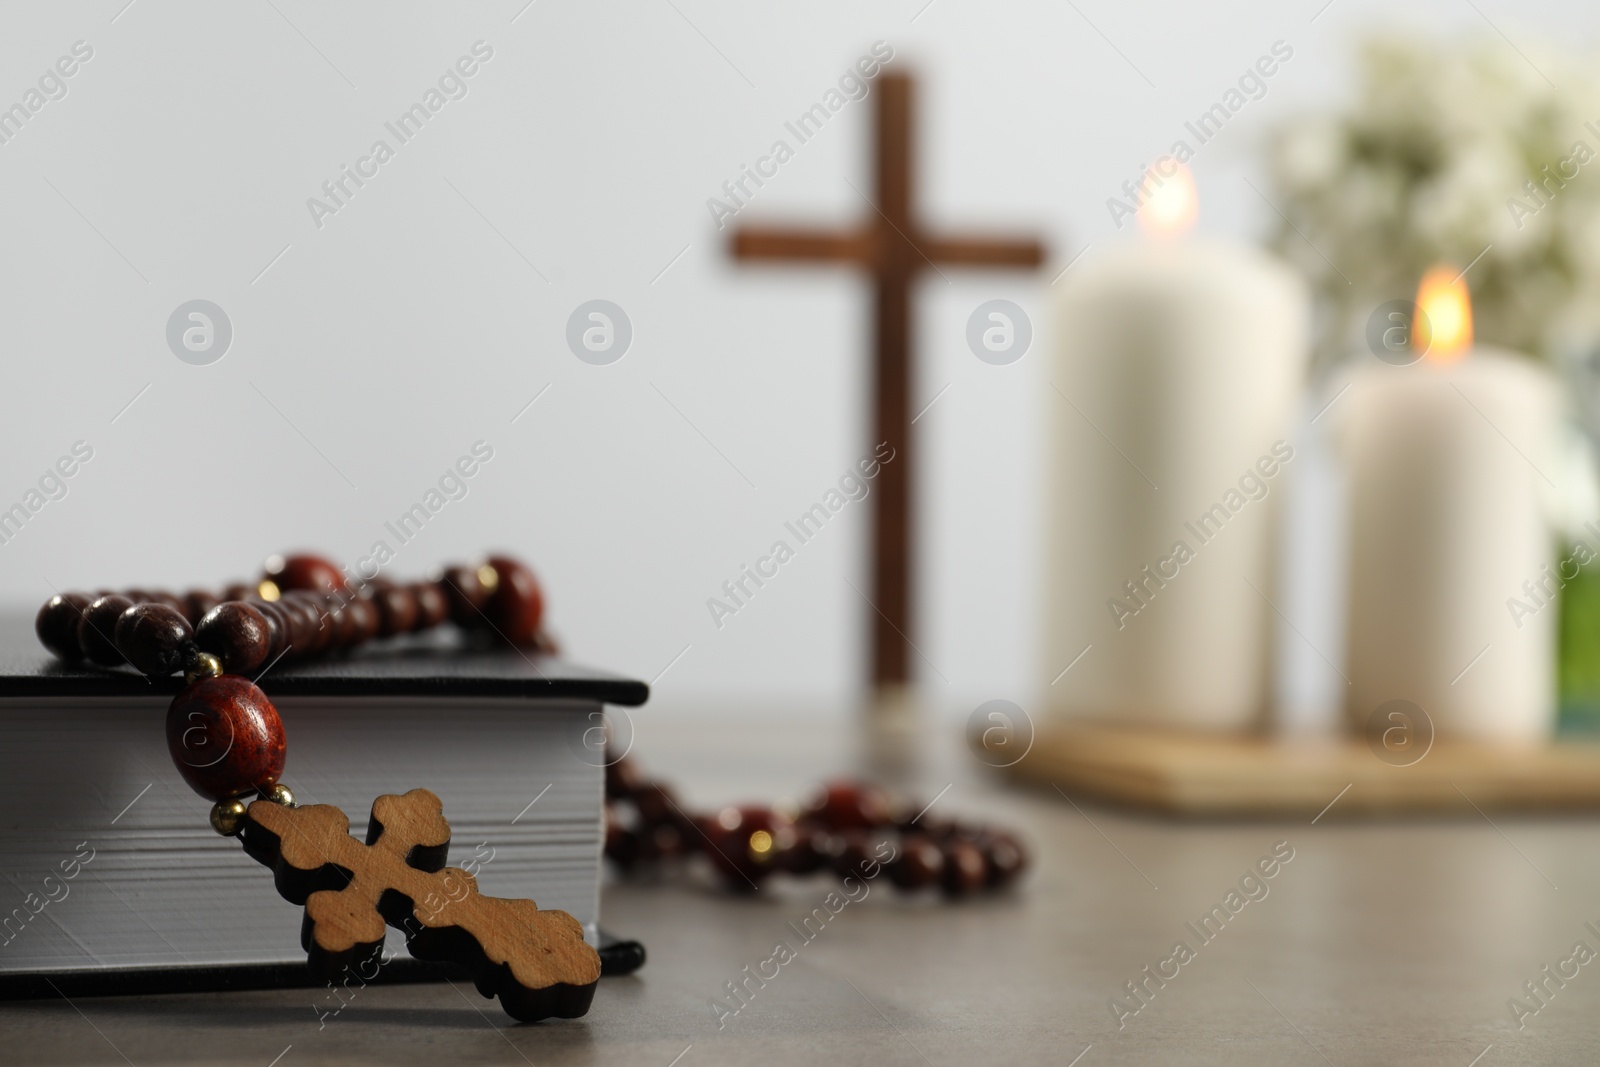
{"type": "Point", "coordinates": [179, 164]}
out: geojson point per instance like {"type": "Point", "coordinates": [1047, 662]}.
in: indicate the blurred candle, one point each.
{"type": "Point", "coordinates": [1179, 367]}
{"type": "Point", "coordinates": [1448, 459]}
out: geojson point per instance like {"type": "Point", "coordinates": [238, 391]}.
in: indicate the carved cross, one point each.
{"type": "Point", "coordinates": [536, 961]}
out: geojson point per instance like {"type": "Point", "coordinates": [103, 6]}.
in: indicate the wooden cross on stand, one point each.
{"type": "Point", "coordinates": [893, 247]}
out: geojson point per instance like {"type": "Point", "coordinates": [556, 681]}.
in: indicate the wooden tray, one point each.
{"type": "Point", "coordinates": [1206, 776]}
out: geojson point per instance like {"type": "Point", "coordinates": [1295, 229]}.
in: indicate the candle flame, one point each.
{"type": "Point", "coordinates": [1172, 205]}
{"type": "Point", "coordinates": [1443, 298]}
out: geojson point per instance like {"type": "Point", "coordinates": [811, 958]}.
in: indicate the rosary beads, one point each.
{"type": "Point", "coordinates": [301, 607]}
{"type": "Point", "coordinates": [841, 830]}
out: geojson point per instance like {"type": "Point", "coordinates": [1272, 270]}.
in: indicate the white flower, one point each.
{"type": "Point", "coordinates": [1312, 154]}
{"type": "Point", "coordinates": [1428, 165]}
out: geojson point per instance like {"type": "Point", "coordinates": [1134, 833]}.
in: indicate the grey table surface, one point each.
{"type": "Point", "coordinates": [1391, 942]}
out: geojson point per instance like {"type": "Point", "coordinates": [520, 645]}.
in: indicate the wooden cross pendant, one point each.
{"type": "Point", "coordinates": [893, 247]}
{"type": "Point", "coordinates": [536, 961]}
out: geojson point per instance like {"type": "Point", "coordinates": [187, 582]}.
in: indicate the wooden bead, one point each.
{"type": "Point", "coordinates": [161, 596]}
{"type": "Point", "coordinates": [658, 804]}
{"type": "Point", "coordinates": [846, 805]}
{"type": "Point", "coordinates": [622, 845]}
{"type": "Point", "coordinates": [517, 603]}
{"type": "Point", "coordinates": [965, 869]}
{"type": "Point", "coordinates": [664, 842]}
{"type": "Point", "coordinates": [277, 627]}
{"type": "Point", "coordinates": [305, 571]}
{"type": "Point", "coordinates": [196, 602]}
{"type": "Point", "coordinates": [919, 865]}
{"type": "Point", "coordinates": [97, 629]}
{"type": "Point", "coordinates": [57, 625]}
{"type": "Point", "coordinates": [225, 737]}
{"type": "Point", "coordinates": [804, 856]}
{"type": "Point", "coordinates": [1007, 859]}
{"type": "Point", "coordinates": [335, 623]}
{"type": "Point", "coordinates": [624, 778]}
{"type": "Point", "coordinates": [316, 631]}
{"type": "Point", "coordinates": [340, 623]}
{"type": "Point", "coordinates": [348, 621]}
{"type": "Point", "coordinates": [155, 638]}
{"type": "Point", "coordinates": [850, 854]}
{"type": "Point", "coordinates": [463, 587]}
{"type": "Point", "coordinates": [365, 620]}
{"type": "Point", "coordinates": [397, 609]}
{"type": "Point", "coordinates": [746, 843]}
{"type": "Point", "coordinates": [240, 591]}
{"type": "Point", "coordinates": [236, 633]}
{"type": "Point", "coordinates": [433, 607]}
{"type": "Point", "coordinates": [326, 637]}
{"type": "Point", "coordinates": [301, 624]}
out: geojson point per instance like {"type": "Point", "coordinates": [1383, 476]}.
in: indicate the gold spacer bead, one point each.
{"type": "Point", "coordinates": [489, 578]}
{"type": "Point", "coordinates": [278, 793]}
{"type": "Point", "coordinates": [268, 590]}
{"type": "Point", "coordinates": [204, 665]}
{"type": "Point", "coordinates": [227, 816]}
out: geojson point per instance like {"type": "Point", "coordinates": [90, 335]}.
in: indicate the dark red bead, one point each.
{"type": "Point", "coordinates": [241, 591]}
{"type": "Point", "coordinates": [397, 609]}
{"type": "Point", "coordinates": [225, 737]}
{"type": "Point", "coordinates": [433, 607]}
{"type": "Point", "coordinates": [745, 843]}
{"type": "Point", "coordinates": [196, 602]}
{"type": "Point", "coordinates": [657, 803]}
{"type": "Point", "coordinates": [302, 621]}
{"type": "Point", "coordinates": [340, 624]}
{"type": "Point", "coordinates": [57, 625]}
{"type": "Point", "coordinates": [238, 634]}
{"type": "Point", "coordinates": [305, 571]}
{"type": "Point", "coordinates": [97, 629]}
{"type": "Point", "coordinates": [803, 856]}
{"type": "Point", "coordinates": [326, 636]}
{"type": "Point", "coordinates": [365, 620]}
{"type": "Point", "coordinates": [850, 806]}
{"type": "Point", "coordinates": [661, 842]}
{"type": "Point", "coordinates": [623, 778]}
{"type": "Point", "coordinates": [919, 865]}
{"type": "Point", "coordinates": [316, 630]}
{"type": "Point", "coordinates": [155, 638]}
{"type": "Point", "coordinates": [517, 604]}
{"type": "Point", "coordinates": [277, 626]}
{"type": "Point", "coordinates": [467, 595]}
{"type": "Point", "coordinates": [161, 596]}
{"type": "Point", "coordinates": [850, 854]}
{"type": "Point", "coordinates": [1007, 859]}
{"type": "Point", "coordinates": [623, 846]}
{"type": "Point", "coordinates": [965, 869]}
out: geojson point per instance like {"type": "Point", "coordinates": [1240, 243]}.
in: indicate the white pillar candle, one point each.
{"type": "Point", "coordinates": [1447, 468]}
{"type": "Point", "coordinates": [1178, 371]}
